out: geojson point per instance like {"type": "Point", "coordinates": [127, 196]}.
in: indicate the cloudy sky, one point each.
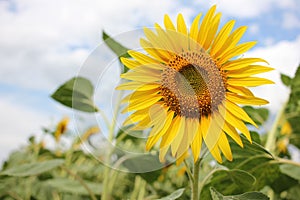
{"type": "Point", "coordinates": [44, 43]}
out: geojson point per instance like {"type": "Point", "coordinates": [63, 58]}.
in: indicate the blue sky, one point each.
{"type": "Point", "coordinates": [44, 43]}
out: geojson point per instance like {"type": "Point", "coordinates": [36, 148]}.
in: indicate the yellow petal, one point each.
{"type": "Point", "coordinates": [142, 104]}
{"type": "Point", "coordinates": [237, 50]}
{"type": "Point", "coordinates": [249, 81]}
{"type": "Point", "coordinates": [145, 77]}
{"type": "Point", "coordinates": [205, 25]}
{"type": "Point", "coordinates": [181, 27]}
{"type": "Point", "coordinates": [224, 146]}
{"type": "Point", "coordinates": [239, 112]}
{"type": "Point", "coordinates": [155, 52]}
{"type": "Point", "coordinates": [239, 90]}
{"type": "Point", "coordinates": [241, 63]}
{"type": "Point", "coordinates": [195, 27]}
{"type": "Point", "coordinates": [143, 124]}
{"type": "Point", "coordinates": [162, 154]}
{"type": "Point", "coordinates": [181, 158]}
{"type": "Point", "coordinates": [129, 63]}
{"type": "Point", "coordinates": [248, 71]}
{"type": "Point", "coordinates": [142, 62]}
{"type": "Point", "coordinates": [197, 143]}
{"type": "Point", "coordinates": [246, 100]}
{"type": "Point", "coordinates": [179, 136]}
{"type": "Point", "coordinates": [235, 122]}
{"type": "Point", "coordinates": [221, 37]}
{"type": "Point", "coordinates": [156, 135]}
{"type": "Point", "coordinates": [139, 96]}
{"type": "Point", "coordinates": [215, 152]}
{"type": "Point", "coordinates": [171, 133]}
{"type": "Point", "coordinates": [212, 31]}
{"type": "Point", "coordinates": [155, 113]}
{"type": "Point", "coordinates": [176, 39]}
{"type": "Point", "coordinates": [141, 58]}
{"type": "Point", "coordinates": [136, 116]}
{"type": "Point", "coordinates": [231, 41]}
{"type": "Point", "coordinates": [231, 131]}
{"type": "Point", "coordinates": [191, 126]}
{"type": "Point", "coordinates": [165, 39]}
{"type": "Point", "coordinates": [213, 130]}
{"type": "Point", "coordinates": [156, 42]}
{"type": "Point", "coordinates": [168, 23]}
{"type": "Point", "coordinates": [137, 86]}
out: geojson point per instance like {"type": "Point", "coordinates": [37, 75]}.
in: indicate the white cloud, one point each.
{"type": "Point", "coordinates": [268, 41]}
{"type": "Point", "coordinates": [254, 29]}
{"type": "Point", "coordinates": [249, 8]}
{"type": "Point", "coordinates": [48, 40]}
{"type": "Point", "coordinates": [284, 56]}
{"type": "Point", "coordinates": [236, 8]}
{"type": "Point", "coordinates": [287, 4]}
{"type": "Point", "coordinates": [290, 21]}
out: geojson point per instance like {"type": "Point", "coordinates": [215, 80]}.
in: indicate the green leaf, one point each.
{"type": "Point", "coordinates": [282, 183]}
{"type": "Point", "coordinates": [286, 80]}
{"type": "Point", "coordinates": [255, 137]}
{"type": "Point", "coordinates": [73, 186]}
{"type": "Point", "coordinates": [76, 93]}
{"type": "Point", "coordinates": [116, 47]}
{"type": "Point", "coordinates": [258, 115]}
{"type": "Point", "coordinates": [174, 195]}
{"type": "Point", "coordinates": [33, 168]}
{"type": "Point", "coordinates": [246, 196]}
{"type": "Point", "coordinates": [256, 160]}
{"type": "Point", "coordinates": [147, 166]}
{"type": "Point", "coordinates": [293, 193]}
{"type": "Point", "coordinates": [291, 170]}
{"type": "Point", "coordinates": [229, 182]}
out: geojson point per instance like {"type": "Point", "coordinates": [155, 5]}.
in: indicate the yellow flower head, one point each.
{"type": "Point", "coordinates": [282, 145]}
{"type": "Point", "coordinates": [286, 129]}
{"type": "Point", "coordinates": [188, 84]}
{"type": "Point", "coordinates": [61, 128]}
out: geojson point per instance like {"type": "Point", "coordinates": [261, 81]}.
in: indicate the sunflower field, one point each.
{"type": "Point", "coordinates": [185, 125]}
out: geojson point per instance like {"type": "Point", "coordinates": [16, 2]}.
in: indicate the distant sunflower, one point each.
{"type": "Point", "coordinates": [188, 85]}
{"type": "Point", "coordinates": [61, 128]}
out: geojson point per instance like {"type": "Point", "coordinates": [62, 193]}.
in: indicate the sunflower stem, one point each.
{"type": "Point", "coordinates": [188, 170]}
{"type": "Point", "coordinates": [195, 182]}
{"type": "Point", "coordinates": [106, 194]}
{"type": "Point", "coordinates": [271, 140]}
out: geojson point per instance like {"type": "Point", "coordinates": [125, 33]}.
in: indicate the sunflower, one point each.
{"type": "Point", "coordinates": [61, 128]}
{"type": "Point", "coordinates": [187, 86]}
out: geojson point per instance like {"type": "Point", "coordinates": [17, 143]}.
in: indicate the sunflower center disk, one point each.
{"type": "Point", "coordinates": [193, 85]}
{"type": "Point", "coordinates": [190, 80]}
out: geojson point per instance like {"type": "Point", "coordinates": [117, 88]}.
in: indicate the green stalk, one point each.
{"type": "Point", "coordinates": [106, 185]}
{"type": "Point", "coordinates": [271, 140]}
{"type": "Point", "coordinates": [188, 170]}
{"type": "Point", "coordinates": [286, 161]}
{"type": "Point", "coordinates": [195, 183]}
{"type": "Point", "coordinates": [138, 192]}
